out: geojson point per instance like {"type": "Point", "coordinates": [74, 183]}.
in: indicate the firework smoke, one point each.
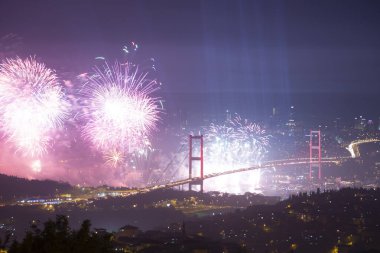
{"type": "Point", "coordinates": [10, 45]}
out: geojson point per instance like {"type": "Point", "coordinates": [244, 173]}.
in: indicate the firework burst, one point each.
{"type": "Point", "coordinates": [235, 144]}
{"type": "Point", "coordinates": [114, 158]}
{"type": "Point", "coordinates": [32, 104]}
{"type": "Point", "coordinates": [120, 113]}
{"type": "Point", "coordinates": [237, 141]}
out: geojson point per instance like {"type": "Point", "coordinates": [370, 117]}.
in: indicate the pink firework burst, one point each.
{"type": "Point", "coordinates": [119, 109]}
{"type": "Point", "coordinates": [32, 104]}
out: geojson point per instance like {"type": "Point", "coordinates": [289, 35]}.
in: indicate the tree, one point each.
{"type": "Point", "coordinates": [58, 237]}
{"type": "Point", "coordinates": [7, 236]}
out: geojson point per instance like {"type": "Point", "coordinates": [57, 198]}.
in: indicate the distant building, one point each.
{"type": "Point", "coordinates": [291, 123]}
{"type": "Point", "coordinates": [360, 123]}
{"type": "Point", "coordinates": [100, 231]}
{"type": "Point", "coordinates": [274, 120]}
{"type": "Point", "coordinates": [370, 126]}
{"type": "Point", "coordinates": [338, 123]}
{"type": "Point", "coordinates": [127, 231]}
{"type": "Point", "coordinates": [228, 115]}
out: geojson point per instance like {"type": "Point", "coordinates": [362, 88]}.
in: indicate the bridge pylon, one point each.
{"type": "Point", "coordinates": [193, 159]}
{"type": "Point", "coordinates": [315, 153]}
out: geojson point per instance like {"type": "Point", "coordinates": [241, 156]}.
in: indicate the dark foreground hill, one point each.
{"type": "Point", "coordinates": [347, 220]}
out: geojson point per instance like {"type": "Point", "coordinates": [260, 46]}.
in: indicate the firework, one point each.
{"type": "Point", "coordinates": [32, 104]}
{"type": "Point", "coordinates": [237, 143]}
{"type": "Point", "coordinates": [36, 166]}
{"type": "Point", "coordinates": [120, 112]}
{"type": "Point", "coordinates": [115, 158]}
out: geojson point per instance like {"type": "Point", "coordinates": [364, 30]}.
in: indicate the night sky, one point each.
{"type": "Point", "coordinates": [280, 52]}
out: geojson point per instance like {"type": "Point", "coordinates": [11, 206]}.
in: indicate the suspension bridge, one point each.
{"type": "Point", "coordinates": [271, 164]}
{"type": "Point", "coordinates": [314, 161]}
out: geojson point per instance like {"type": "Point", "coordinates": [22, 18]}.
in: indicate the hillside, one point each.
{"type": "Point", "coordinates": [14, 187]}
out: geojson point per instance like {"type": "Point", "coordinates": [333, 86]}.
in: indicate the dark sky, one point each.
{"type": "Point", "coordinates": [263, 47]}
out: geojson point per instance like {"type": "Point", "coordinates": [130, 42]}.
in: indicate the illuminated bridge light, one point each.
{"type": "Point", "coordinates": [353, 148]}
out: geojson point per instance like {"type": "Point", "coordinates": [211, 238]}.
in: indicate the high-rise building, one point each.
{"type": "Point", "coordinates": [228, 115]}
{"type": "Point", "coordinates": [291, 123]}
{"type": "Point", "coordinates": [360, 123]}
{"type": "Point", "coordinates": [337, 123]}
{"type": "Point", "coordinates": [370, 126]}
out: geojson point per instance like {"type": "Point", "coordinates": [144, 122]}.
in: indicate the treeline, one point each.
{"type": "Point", "coordinates": [57, 237]}
{"type": "Point", "coordinates": [14, 187]}
{"type": "Point", "coordinates": [211, 198]}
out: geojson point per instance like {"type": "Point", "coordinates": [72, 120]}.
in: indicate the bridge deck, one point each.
{"type": "Point", "coordinates": [269, 164]}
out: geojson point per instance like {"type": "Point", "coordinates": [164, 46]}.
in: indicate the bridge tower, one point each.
{"type": "Point", "coordinates": [194, 159]}
{"type": "Point", "coordinates": [315, 153]}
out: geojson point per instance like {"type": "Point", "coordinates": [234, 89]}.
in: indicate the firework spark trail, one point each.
{"type": "Point", "coordinates": [32, 104]}
{"type": "Point", "coordinates": [120, 113]}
